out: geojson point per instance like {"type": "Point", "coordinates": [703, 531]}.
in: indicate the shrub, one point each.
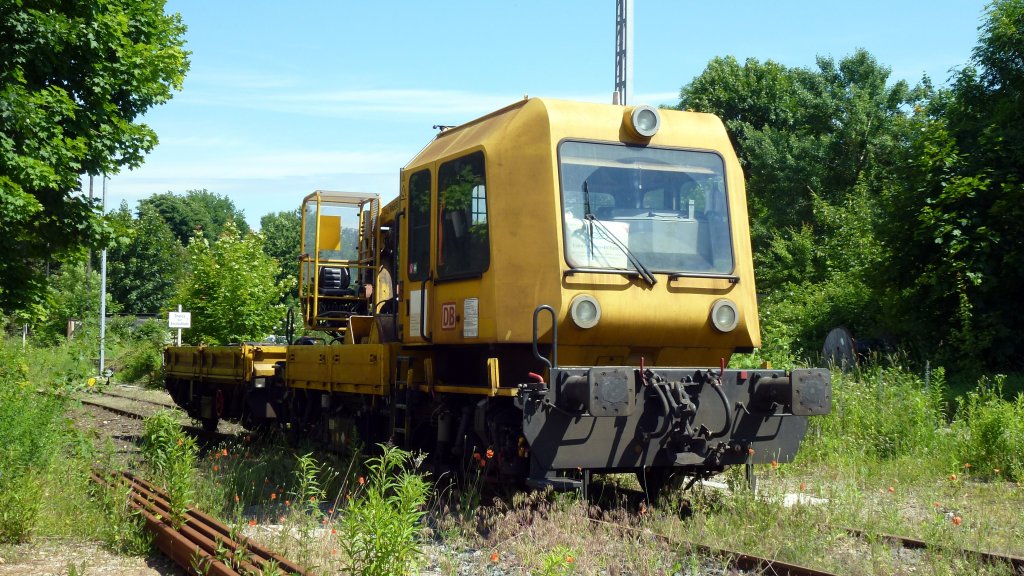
{"type": "Point", "coordinates": [142, 360]}
{"type": "Point", "coordinates": [379, 526]}
{"type": "Point", "coordinates": [231, 290]}
{"type": "Point", "coordinates": [989, 430]}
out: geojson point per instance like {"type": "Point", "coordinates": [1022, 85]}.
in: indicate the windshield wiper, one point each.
{"type": "Point", "coordinates": [644, 272]}
{"type": "Point", "coordinates": [589, 216]}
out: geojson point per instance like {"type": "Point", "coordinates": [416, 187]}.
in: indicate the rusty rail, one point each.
{"type": "Point", "coordinates": [738, 560]}
{"type": "Point", "coordinates": [1016, 562]}
{"type": "Point", "coordinates": [113, 409]}
{"type": "Point", "coordinates": [115, 393]}
{"type": "Point", "coordinates": [201, 545]}
{"type": "Point", "coordinates": [758, 564]}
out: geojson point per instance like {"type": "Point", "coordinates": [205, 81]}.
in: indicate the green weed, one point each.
{"type": "Point", "coordinates": [559, 561]}
{"type": "Point", "coordinates": [172, 456]}
{"type": "Point", "coordinates": [308, 494]}
{"type": "Point", "coordinates": [123, 529]}
{"type": "Point", "coordinates": [380, 525]}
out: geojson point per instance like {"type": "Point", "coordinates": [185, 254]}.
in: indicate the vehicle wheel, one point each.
{"type": "Point", "coordinates": [210, 424]}
{"type": "Point", "coordinates": [656, 482]}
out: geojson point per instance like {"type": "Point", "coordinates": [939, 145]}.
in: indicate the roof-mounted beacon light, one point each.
{"type": "Point", "coordinates": [643, 120]}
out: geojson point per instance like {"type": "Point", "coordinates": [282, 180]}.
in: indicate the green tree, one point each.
{"type": "Point", "coordinates": [819, 148]}
{"type": "Point", "coordinates": [958, 258]}
{"type": "Point", "coordinates": [144, 266]}
{"type": "Point", "coordinates": [72, 294]}
{"type": "Point", "coordinates": [803, 134]}
{"type": "Point", "coordinates": [74, 78]}
{"type": "Point", "coordinates": [198, 212]}
{"type": "Point", "coordinates": [230, 289]}
{"type": "Point", "coordinates": [282, 239]}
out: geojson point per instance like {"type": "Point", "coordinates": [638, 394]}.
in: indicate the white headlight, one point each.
{"type": "Point", "coordinates": [585, 311]}
{"type": "Point", "coordinates": [724, 315]}
{"type": "Point", "coordinates": [645, 120]}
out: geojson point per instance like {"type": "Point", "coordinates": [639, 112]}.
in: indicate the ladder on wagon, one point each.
{"type": "Point", "coordinates": [401, 408]}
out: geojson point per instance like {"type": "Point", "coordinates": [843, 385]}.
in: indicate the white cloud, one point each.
{"type": "Point", "coordinates": [348, 103]}
{"type": "Point", "coordinates": [274, 164]}
{"type": "Point", "coordinates": [355, 102]}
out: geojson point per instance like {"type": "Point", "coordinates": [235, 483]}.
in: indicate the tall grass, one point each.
{"type": "Point", "coordinates": [881, 412]}
{"type": "Point", "coordinates": [133, 353]}
{"type": "Point", "coordinates": [31, 436]}
{"type": "Point", "coordinates": [172, 457]}
{"type": "Point", "coordinates": [989, 431]}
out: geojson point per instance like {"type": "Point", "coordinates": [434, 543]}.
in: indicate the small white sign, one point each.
{"type": "Point", "coordinates": [417, 316]}
{"type": "Point", "coordinates": [179, 319]}
{"type": "Point", "coordinates": [470, 318]}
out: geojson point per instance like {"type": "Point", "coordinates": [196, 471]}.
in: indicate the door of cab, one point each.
{"type": "Point", "coordinates": [448, 249]}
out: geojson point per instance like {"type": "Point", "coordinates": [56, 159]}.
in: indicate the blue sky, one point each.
{"type": "Point", "coordinates": [285, 98]}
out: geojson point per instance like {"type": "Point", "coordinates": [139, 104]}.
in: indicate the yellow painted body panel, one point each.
{"type": "Point", "coordinates": [668, 324]}
{"type": "Point", "coordinates": [356, 368]}
{"type": "Point", "coordinates": [222, 364]}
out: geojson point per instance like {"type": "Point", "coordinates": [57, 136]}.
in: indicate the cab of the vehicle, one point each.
{"type": "Point", "coordinates": [629, 221]}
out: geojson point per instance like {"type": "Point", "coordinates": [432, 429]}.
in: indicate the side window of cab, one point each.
{"type": "Point", "coordinates": [463, 241]}
{"type": "Point", "coordinates": [419, 225]}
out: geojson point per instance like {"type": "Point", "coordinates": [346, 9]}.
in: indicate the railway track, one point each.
{"type": "Point", "coordinates": [760, 565]}
{"type": "Point", "coordinates": [140, 409]}
{"type": "Point", "coordinates": [201, 544]}
{"type": "Point", "coordinates": [770, 566]}
{"type": "Point", "coordinates": [114, 409]}
{"type": "Point", "coordinates": [121, 392]}
{"type": "Point", "coordinates": [738, 560]}
{"type": "Point", "coordinates": [1016, 562]}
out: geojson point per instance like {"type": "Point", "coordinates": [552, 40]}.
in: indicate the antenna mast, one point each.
{"type": "Point", "coordinates": [623, 52]}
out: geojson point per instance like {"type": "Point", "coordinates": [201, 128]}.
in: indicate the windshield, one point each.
{"type": "Point", "coordinates": [668, 207]}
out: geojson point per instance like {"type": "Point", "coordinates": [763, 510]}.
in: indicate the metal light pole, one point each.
{"type": "Point", "coordinates": [88, 262]}
{"type": "Point", "coordinates": [103, 288]}
{"type": "Point", "coordinates": [623, 52]}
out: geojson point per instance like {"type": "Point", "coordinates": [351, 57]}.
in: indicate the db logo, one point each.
{"type": "Point", "coordinates": [448, 318]}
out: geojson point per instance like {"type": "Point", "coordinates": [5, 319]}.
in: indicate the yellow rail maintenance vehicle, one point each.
{"type": "Point", "coordinates": [557, 290]}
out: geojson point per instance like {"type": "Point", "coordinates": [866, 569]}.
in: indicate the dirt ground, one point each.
{"type": "Point", "coordinates": [53, 557]}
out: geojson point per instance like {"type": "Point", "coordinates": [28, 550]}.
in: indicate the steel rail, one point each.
{"type": "Point", "coordinates": [217, 529]}
{"type": "Point", "coordinates": [115, 410]}
{"type": "Point", "coordinates": [125, 396]}
{"type": "Point", "coordinates": [200, 544]}
{"type": "Point", "coordinates": [1017, 562]}
{"type": "Point", "coordinates": [739, 560]}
